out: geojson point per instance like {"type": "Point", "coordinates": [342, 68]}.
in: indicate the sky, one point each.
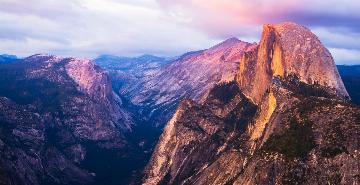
{"type": "Point", "coordinates": [88, 28]}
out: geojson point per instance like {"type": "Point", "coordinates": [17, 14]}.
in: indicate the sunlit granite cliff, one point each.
{"type": "Point", "coordinates": [288, 50]}
{"type": "Point", "coordinates": [285, 119]}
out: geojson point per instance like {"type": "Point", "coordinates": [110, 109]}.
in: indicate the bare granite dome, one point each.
{"type": "Point", "coordinates": [284, 121]}
{"type": "Point", "coordinates": [288, 49]}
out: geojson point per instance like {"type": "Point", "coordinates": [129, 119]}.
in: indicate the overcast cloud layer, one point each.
{"type": "Point", "coordinates": [87, 28]}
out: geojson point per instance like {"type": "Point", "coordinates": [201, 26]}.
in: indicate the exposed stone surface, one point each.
{"type": "Point", "coordinates": [306, 140]}
{"type": "Point", "coordinates": [288, 49]}
{"type": "Point", "coordinates": [128, 73]}
{"type": "Point", "coordinates": [285, 120]}
{"type": "Point", "coordinates": [84, 126]}
{"type": "Point", "coordinates": [189, 76]}
{"type": "Point", "coordinates": [154, 86]}
{"type": "Point", "coordinates": [196, 135]}
{"type": "Point", "coordinates": [96, 83]}
{"type": "Point", "coordinates": [53, 112]}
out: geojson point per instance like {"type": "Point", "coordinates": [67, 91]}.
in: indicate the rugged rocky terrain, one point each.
{"type": "Point", "coordinates": [158, 89]}
{"type": "Point", "coordinates": [285, 119]}
{"type": "Point", "coordinates": [151, 87]}
{"type": "Point", "coordinates": [61, 122]}
{"type": "Point", "coordinates": [276, 112]}
{"type": "Point", "coordinates": [63, 116]}
{"type": "Point", "coordinates": [127, 73]}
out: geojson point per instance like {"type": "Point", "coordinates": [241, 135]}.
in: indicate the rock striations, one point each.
{"type": "Point", "coordinates": [285, 119]}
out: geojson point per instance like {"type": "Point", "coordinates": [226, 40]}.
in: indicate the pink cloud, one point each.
{"type": "Point", "coordinates": [229, 17]}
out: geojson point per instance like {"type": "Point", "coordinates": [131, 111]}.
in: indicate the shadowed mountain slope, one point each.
{"type": "Point", "coordinates": [284, 120]}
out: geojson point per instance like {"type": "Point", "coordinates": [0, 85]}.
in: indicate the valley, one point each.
{"type": "Point", "coordinates": [279, 111]}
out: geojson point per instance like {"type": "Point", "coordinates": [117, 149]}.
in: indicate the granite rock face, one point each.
{"type": "Point", "coordinates": [189, 76]}
{"type": "Point", "coordinates": [95, 82]}
{"type": "Point", "coordinates": [128, 73]}
{"type": "Point", "coordinates": [54, 111]}
{"type": "Point", "coordinates": [288, 49]}
{"type": "Point", "coordinates": [154, 86]}
{"type": "Point", "coordinates": [286, 119]}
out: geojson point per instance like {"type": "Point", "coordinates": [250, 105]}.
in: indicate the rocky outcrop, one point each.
{"type": "Point", "coordinates": [128, 73]}
{"type": "Point", "coordinates": [91, 80]}
{"type": "Point", "coordinates": [151, 87]}
{"type": "Point", "coordinates": [288, 49]}
{"type": "Point", "coordinates": [96, 83]}
{"type": "Point", "coordinates": [190, 76]}
{"type": "Point", "coordinates": [154, 86]}
{"type": "Point", "coordinates": [197, 134]}
{"type": "Point", "coordinates": [304, 140]}
{"type": "Point", "coordinates": [284, 120]}
{"type": "Point", "coordinates": [57, 115]}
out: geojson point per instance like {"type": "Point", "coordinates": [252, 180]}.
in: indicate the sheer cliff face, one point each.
{"type": "Point", "coordinates": [288, 49]}
{"type": "Point", "coordinates": [96, 83]}
{"type": "Point", "coordinates": [54, 112]}
{"type": "Point", "coordinates": [284, 120]}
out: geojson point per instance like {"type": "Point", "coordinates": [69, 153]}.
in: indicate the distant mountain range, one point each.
{"type": "Point", "coordinates": [130, 74]}
{"type": "Point", "coordinates": [7, 58]}
{"type": "Point", "coordinates": [157, 85]}
{"type": "Point", "coordinates": [277, 112]}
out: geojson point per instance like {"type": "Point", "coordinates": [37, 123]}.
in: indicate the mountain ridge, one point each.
{"type": "Point", "coordinates": [189, 76]}
{"type": "Point", "coordinates": [237, 113]}
{"type": "Point", "coordinates": [52, 117]}
{"type": "Point", "coordinates": [268, 126]}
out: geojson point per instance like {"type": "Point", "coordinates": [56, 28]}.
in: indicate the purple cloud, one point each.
{"type": "Point", "coordinates": [125, 27]}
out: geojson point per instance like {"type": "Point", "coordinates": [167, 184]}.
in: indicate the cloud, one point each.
{"type": "Point", "coordinates": [86, 28]}
{"type": "Point", "coordinates": [345, 56]}
{"type": "Point", "coordinates": [213, 15]}
{"type": "Point", "coordinates": [338, 38]}
{"type": "Point", "coordinates": [337, 23]}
